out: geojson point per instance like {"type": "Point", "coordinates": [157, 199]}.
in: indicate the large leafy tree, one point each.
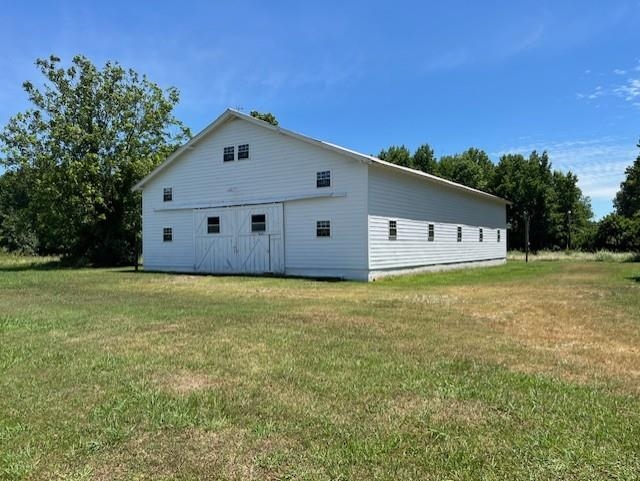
{"type": "Point", "coordinates": [425, 160]}
{"type": "Point", "coordinates": [627, 201]}
{"type": "Point", "coordinates": [89, 137]}
{"type": "Point", "coordinates": [397, 155]}
{"type": "Point", "coordinates": [472, 168]}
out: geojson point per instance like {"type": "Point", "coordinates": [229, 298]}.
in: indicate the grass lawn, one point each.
{"type": "Point", "coordinates": [513, 372]}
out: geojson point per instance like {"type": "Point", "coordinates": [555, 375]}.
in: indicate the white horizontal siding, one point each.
{"type": "Point", "coordinates": [414, 204]}
{"type": "Point", "coordinates": [346, 248]}
{"type": "Point", "coordinates": [279, 167]}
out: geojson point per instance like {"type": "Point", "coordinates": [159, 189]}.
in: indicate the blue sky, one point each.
{"type": "Point", "coordinates": [506, 76]}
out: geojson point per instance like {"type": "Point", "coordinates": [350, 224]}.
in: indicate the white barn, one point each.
{"type": "Point", "coordinates": [244, 196]}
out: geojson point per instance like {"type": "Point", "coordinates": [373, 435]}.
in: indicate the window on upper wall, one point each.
{"type": "Point", "coordinates": [228, 154]}
{"type": "Point", "coordinates": [213, 225]}
{"type": "Point", "coordinates": [498, 235]}
{"type": "Point", "coordinates": [459, 234]}
{"type": "Point", "coordinates": [167, 194]}
{"type": "Point", "coordinates": [323, 179]}
{"type": "Point", "coordinates": [432, 232]}
{"type": "Point", "coordinates": [243, 151]}
{"type": "Point", "coordinates": [480, 235]}
{"type": "Point", "coordinates": [167, 234]}
{"type": "Point", "coordinates": [258, 223]}
{"type": "Point", "coordinates": [393, 230]}
{"type": "Point", "coordinates": [323, 228]}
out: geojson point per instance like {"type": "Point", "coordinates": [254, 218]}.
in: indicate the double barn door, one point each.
{"type": "Point", "coordinates": [242, 240]}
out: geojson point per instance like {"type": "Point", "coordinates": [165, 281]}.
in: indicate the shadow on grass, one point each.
{"type": "Point", "coordinates": [131, 270]}
{"type": "Point", "coordinates": [634, 278]}
{"type": "Point", "coordinates": [34, 266]}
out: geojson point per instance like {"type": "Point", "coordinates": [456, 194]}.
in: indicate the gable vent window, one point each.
{"type": "Point", "coordinates": [432, 232]}
{"type": "Point", "coordinates": [258, 223]}
{"type": "Point", "coordinates": [167, 234]}
{"type": "Point", "coordinates": [480, 235]}
{"type": "Point", "coordinates": [459, 234]}
{"type": "Point", "coordinates": [498, 235]}
{"type": "Point", "coordinates": [228, 154]}
{"type": "Point", "coordinates": [393, 230]}
{"type": "Point", "coordinates": [213, 225]}
{"type": "Point", "coordinates": [167, 194]}
{"type": "Point", "coordinates": [243, 151]}
{"type": "Point", "coordinates": [323, 179]}
{"type": "Point", "coordinates": [323, 228]}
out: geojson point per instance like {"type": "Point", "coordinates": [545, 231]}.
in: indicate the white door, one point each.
{"type": "Point", "coordinates": [239, 239]}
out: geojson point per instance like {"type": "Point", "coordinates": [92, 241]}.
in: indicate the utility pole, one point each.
{"type": "Point", "coordinates": [526, 236]}
{"type": "Point", "coordinates": [569, 236]}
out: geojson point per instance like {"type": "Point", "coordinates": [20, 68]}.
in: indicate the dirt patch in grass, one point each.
{"type": "Point", "coordinates": [185, 382]}
{"type": "Point", "coordinates": [194, 454]}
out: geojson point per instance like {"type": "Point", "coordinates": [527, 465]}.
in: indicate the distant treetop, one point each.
{"type": "Point", "coordinates": [266, 117]}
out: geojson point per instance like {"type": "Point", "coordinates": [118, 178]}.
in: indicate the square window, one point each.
{"type": "Point", "coordinates": [323, 228]}
{"type": "Point", "coordinates": [167, 234]}
{"type": "Point", "coordinates": [258, 223]}
{"type": "Point", "coordinates": [498, 235]}
{"type": "Point", "coordinates": [432, 232]}
{"type": "Point", "coordinates": [480, 235]}
{"type": "Point", "coordinates": [228, 154]}
{"type": "Point", "coordinates": [213, 225]}
{"type": "Point", "coordinates": [323, 179]}
{"type": "Point", "coordinates": [243, 151]}
{"type": "Point", "coordinates": [459, 234]}
{"type": "Point", "coordinates": [167, 194]}
{"type": "Point", "coordinates": [393, 230]}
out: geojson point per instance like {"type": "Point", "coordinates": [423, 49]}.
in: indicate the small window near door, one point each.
{"type": "Point", "coordinates": [243, 151]}
{"type": "Point", "coordinates": [228, 154]}
{"type": "Point", "coordinates": [323, 228]}
{"type": "Point", "coordinates": [432, 232]}
{"type": "Point", "coordinates": [323, 179]}
{"type": "Point", "coordinates": [258, 223]}
{"type": "Point", "coordinates": [167, 234]}
{"type": "Point", "coordinates": [480, 235]}
{"type": "Point", "coordinates": [393, 230]}
{"type": "Point", "coordinates": [498, 235]}
{"type": "Point", "coordinates": [213, 225]}
{"type": "Point", "coordinates": [459, 234]}
{"type": "Point", "coordinates": [167, 194]}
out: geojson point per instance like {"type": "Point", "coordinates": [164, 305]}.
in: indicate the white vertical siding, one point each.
{"type": "Point", "coordinates": [279, 167]}
{"type": "Point", "coordinates": [415, 204]}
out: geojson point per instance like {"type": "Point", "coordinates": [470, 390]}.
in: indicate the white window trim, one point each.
{"type": "Point", "coordinates": [163, 192]}
{"type": "Point", "coordinates": [248, 157]}
{"type": "Point", "coordinates": [330, 230]}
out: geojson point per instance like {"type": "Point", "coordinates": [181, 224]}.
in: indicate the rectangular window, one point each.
{"type": "Point", "coordinates": [167, 234]}
{"type": "Point", "coordinates": [459, 234]}
{"type": "Point", "coordinates": [213, 225]}
{"type": "Point", "coordinates": [167, 194]}
{"type": "Point", "coordinates": [323, 228]}
{"type": "Point", "coordinates": [393, 230]}
{"type": "Point", "coordinates": [258, 223]}
{"type": "Point", "coordinates": [432, 232]}
{"type": "Point", "coordinates": [228, 154]}
{"type": "Point", "coordinates": [498, 235]}
{"type": "Point", "coordinates": [480, 235]}
{"type": "Point", "coordinates": [323, 179]}
{"type": "Point", "coordinates": [243, 151]}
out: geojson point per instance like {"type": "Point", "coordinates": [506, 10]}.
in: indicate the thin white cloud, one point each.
{"type": "Point", "coordinates": [619, 71]}
{"type": "Point", "coordinates": [630, 91]}
{"type": "Point", "coordinates": [599, 163]}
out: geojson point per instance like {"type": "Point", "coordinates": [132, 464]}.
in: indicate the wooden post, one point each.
{"type": "Point", "coordinates": [526, 236]}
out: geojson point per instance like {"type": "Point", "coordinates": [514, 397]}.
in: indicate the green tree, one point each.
{"type": "Point", "coordinates": [89, 137]}
{"type": "Point", "coordinates": [425, 160]}
{"type": "Point", "coordinates": [266, 117]}
{"type": "Point", "coordinates": [627, 200]}
{"type": "Point", "coordinates": [16, 229]}
{"type": "Point", "coordinates": [472, 168]}
{"type": "Point", "coordinates": [619, 233]}
{"type": "Point", "coordinates": [397, 155]}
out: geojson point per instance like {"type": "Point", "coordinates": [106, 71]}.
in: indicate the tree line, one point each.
{"type": "Point", "coordinates": [92, 133]}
